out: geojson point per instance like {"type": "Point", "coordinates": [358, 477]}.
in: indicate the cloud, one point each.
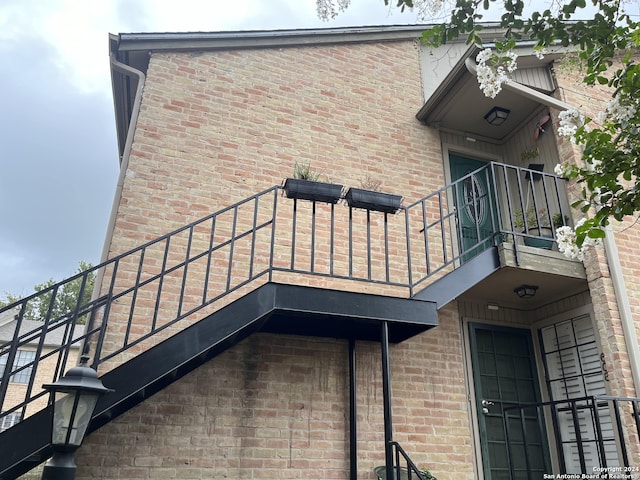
{"type": "Point", "coordinates": [58, 167]}
{"type": "Point", "coordinates": [58, 157]}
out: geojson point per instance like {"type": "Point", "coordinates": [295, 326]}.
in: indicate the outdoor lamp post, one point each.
{"type": "Point", "coordinates": [74, 397]}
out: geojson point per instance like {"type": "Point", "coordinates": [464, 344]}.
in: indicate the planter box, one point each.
{"type": "Point", "coordinates": [370, 200]}
{"type": "Point", "coordinates": [314, 191]}
{"type": "Point", "coordinates": [540, 242]}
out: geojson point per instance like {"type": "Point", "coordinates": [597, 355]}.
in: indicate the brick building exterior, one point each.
{"type": "Point", "coordinates": [206, 121]}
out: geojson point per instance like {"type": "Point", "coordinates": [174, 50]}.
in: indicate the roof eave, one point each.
{"type": "Point", "coordinates": [266, 38]}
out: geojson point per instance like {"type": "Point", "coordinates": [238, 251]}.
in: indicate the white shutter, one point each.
{"type": "Point", "coordinates": [574, 370]}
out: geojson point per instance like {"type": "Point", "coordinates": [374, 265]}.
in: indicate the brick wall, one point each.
{"type": "Point", "coordinates": [218, 127]}
{"type": "Point", "coordinates": [613, 343]}
{"type": "Point", "coordinates": [214, 128]}
{"type": "Point", "coordinates": [591, 101]}
{"type": "Point", "coordinates": [276, 406]}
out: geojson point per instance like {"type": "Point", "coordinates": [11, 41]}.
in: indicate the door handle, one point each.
{"type": "Point", "coordinates": [485, 405]}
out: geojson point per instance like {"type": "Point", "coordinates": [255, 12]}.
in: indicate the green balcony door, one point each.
{"type": "Point", "coordinates": [473, 204]}
{"type": "Point", "coordinates": [504, 375]}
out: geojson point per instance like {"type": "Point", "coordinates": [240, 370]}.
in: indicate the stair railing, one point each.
{"type": "Point", "coordinates": [263, 238]}
{"type": "Point", "coordinates": [403, 467]}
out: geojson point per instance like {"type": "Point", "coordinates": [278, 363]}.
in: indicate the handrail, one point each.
{"type": "Point", "coordinates": [150, 288]}
{"type": "Point", "coordinates": [412, 469]}
{"type": "Point", "coordinates": [594, 420]}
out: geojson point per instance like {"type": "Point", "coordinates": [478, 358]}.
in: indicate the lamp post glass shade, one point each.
{"type": "Point", "coordinates": [71, 415]}
{"type": "Point", "coordinates": [74, 398]}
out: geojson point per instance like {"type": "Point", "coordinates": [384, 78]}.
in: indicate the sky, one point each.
{"type": "Point", "coordinates": [58, 150]}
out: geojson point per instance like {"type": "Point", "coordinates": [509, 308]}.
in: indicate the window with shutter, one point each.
{"type": "Point", "coordinates": [573, 370]}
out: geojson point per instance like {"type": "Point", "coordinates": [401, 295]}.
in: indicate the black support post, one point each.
{"type": "Point", "coordinates": [386, 396]}
{"type": "Point", "coordinates": [353, 425]}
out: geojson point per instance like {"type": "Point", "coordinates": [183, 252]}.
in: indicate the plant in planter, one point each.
{"type": "Point", "coordinates": [535, 223]}
{"type": "Point", "coordinates": [560, 220]}
{"type": "Point", "coordinates": [428, 475]}
{"type": "Point", "coordinates": [370, 197]}
{"type": "Point", "coordinates": [305, 185]}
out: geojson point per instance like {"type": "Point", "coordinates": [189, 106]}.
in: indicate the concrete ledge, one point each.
{"type": "Point", "coordinates": [539, 260]}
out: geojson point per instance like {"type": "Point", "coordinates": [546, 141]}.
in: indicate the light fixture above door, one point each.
{"type": "Point", "coordinates": [526, 291]}
{"type": "Point", "coordinates": [497, 116]}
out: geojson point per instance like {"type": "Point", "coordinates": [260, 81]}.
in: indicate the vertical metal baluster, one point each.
{"type": "Point", "coordinates": [273, 233]}
{"type": "Point", "coordinates": [105, 316]}
{"type": "Point", "coordinates": [576, 428]}
{"type": "Point", "coordinates": [232, 247]}
{"type": "Point", "coordinates": [350, 242]}
{"type": "Point", "coordinates": [443, 228]}
{"type": "Point", "coordinates": [458, 214]}
{"type": "Point", "coordinates": [408, 240]}
{"type": "Point", "coordinates": [623, 445]}
{"type": "Point", "coordinates": [185, 272]}
{"type": "Point", "coordinates": [253, 236]}
{"type": "Point", "coordinates": [425, 233]}
{"type": "Point", "coordinates": [542, 432]}
{"type": "Point", "coordinates": [12, 353]}
{"type": "Point", "coordinates": [386, 246]}
{"type": "Point", "coordinates": [494, 205]}
{"type": "Point", "coordinates": [34, 363]}
{"type": "Point", "coordinates": [293, 233]}
{"type": "Point", "coordinates": [475, 201]}
{"type": "Point", "coordinates": [636, 415]}
{"type": "Point", "coordinates": [599, 438]}
{"type": "Point", "coordinates": [156, 308]}
{"type": "Point", "coordinates": [58, 372]}
{"type": "Point", "coordinates": [332, 239]}
{"type": "Point", "coordinates": [209, 254]}
{"type": "Point", "coordinates": [134, 297]}
{"type": "Point", "coordinates": [558, 437]}
{"type": "Point", "coordinates": [369, 244]}
{"type": "Point", "coordinates": [313, 235]}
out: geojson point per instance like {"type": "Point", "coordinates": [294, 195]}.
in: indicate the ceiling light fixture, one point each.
{"type": "Point", "coordinates": [497, 116]}
{"type": "Point", "coordinates": [526, 291]}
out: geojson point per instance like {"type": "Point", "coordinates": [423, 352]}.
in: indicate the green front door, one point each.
{"type": "Point", "coordinates": [504, 375]}
{"type": "Point", "coordinates": [473, 202]}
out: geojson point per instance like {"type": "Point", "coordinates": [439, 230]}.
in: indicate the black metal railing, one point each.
{"type": "Point", "coordinates": [263, 238]}
{"type": "Point", "coordinates": [491, 205]}
{"type": "Point", "coordinates": [588, 435]}
{"type": "Point", "coordinates": [402, 468]}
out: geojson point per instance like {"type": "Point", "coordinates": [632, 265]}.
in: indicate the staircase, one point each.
{"type": "Point", "coordinates": [166, 307]}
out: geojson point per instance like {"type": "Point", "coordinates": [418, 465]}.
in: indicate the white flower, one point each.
{"type": "Point", "coordinates": [570, 121]}
{"type": "Point", "coordinates": [493, 70]}
{"type": "Point", "coordinates": [540, 53]}
{"type": "Point", "coordinates": [566, 238]}
{"type": "Point", "coordinates": [484, 55]}
{"type": "Point", "coordinates": [617, 112]}
{"type": "Point", "coordinates": [511, 61]}
{"type": "Point", "coordinates": [561, 169]}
